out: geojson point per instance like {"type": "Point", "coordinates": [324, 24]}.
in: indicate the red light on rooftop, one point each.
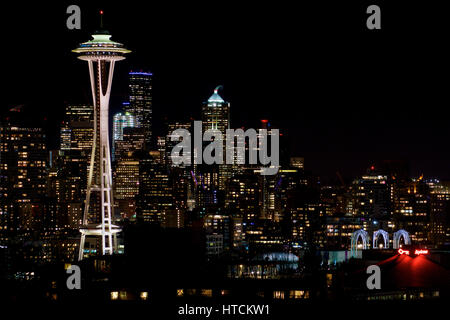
{"type": "Point", "coordinates": [372, 168]}
{"type": "Point", "coordinates": [401, 251]}
{"type": "Point", "coordinates": [264, 121]}
{"type": "Point", "coordinates": [101, 11]}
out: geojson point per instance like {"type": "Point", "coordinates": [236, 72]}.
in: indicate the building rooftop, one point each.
{"type": "Point", "coordinates": [215, 96]}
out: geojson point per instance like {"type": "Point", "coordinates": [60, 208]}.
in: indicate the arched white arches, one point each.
{"type": "Point", "coordinates": [385, 236]}
{"type": "Point", "coordinates": [398, 235]}
{"type": "Point", "coordinates": [355, 237]}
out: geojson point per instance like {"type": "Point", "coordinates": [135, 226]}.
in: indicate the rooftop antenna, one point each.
{"type": "Point", "coordinates": [101, 19]}
{"type": "Point", "coordinates": [216, 90]}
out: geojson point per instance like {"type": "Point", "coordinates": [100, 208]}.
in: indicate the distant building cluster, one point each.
{"type": "Point", "coordinates": [234, 210]}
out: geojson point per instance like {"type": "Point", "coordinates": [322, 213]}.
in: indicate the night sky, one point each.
{"type": "Point", "coordinates": [345, 96]}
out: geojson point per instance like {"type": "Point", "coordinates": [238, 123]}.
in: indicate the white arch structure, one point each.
{"type": "Point", "coordinates": [385, 236]}
{"type": "Point", "coordinates": [355, 237]}
{"type": "Point", "coordinates": [398, 235]}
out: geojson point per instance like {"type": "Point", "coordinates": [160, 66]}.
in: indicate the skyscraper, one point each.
{"type": "Point", "coordinates": [23, 158]}
{"type": "Point", "coordinates": [140, 88]}
{"type": "Point", "coordinates": [216, 116]}
{"type": "Point", "coordinates": [216, 113]}
{"type": "Point", "coordinates": [101, 53]}
{"type": "Point", "coordinates": [77, 128]}
{"type": "Point", "coordinates": [155, 191]}
{"type": "Point", "coordinates": [121, 121]}
{"type": "Point", "coordinates": [126, 174]}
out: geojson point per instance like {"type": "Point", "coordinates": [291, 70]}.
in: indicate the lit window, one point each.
{"type": "Point", "coordinates": [144, 295]}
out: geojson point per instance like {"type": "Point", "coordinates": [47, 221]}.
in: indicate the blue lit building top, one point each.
{"type": "Point", "coordinates": [141, 73]}
{"type": "Point", "coordinates": [215, 98]}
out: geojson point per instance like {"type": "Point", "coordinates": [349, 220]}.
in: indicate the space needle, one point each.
{"type": "Point", "coordinates": [101, 53]}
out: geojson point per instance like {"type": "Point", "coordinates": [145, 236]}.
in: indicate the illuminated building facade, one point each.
{"type": "Point", "coordinates": [77, 128]}
{"type": "Point", "coordinates": [439, 230]}
{"type": "Point", "coordinates": [242, 196]}
{"type": "Point", "coordinates": [140, 89]}
{"type": "Point", "coordinates": [216, 116]}
{"type": "Point", "coordinates": [24, 209]}
{"type": "Point", "coordinates": [155, 192]}
{"type": "Point", "coordinates": [411, 208]}
{"type": "Point", "coordinates": [121, 121]}
{"type": "Point", "coordinates": [372, 196]}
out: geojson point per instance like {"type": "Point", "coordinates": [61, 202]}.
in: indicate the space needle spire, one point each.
{"type": "Point", "coordinates": [101, 53]}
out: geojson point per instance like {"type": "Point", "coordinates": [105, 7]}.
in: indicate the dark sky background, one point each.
{"type": "Point", "coordinates": [345, 96]}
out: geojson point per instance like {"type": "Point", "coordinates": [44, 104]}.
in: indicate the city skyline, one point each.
{"type": "Point", "coordinates": [353, 123]}
{"type": "Point", "coordinates": [259, 164]}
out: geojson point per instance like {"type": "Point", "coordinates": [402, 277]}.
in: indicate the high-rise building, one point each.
{"type": "Point", "coordinates": [126, 174]}
{"type": "Point", "coordinates": [155, 191]}
{"type": "Point", "coordinates": [411, 208]}
{"type": "Point", "coordinates": [126, 182]}
{"type": "Point", "coordinates": [371, 195]}
{"type": "Point", "coordinates": [216, 113]}
{"type": "Point", "coordinates": [439, 231]}
{"type": "Point", "coordinates": [77, 128]}
{"type": "Point", "coordinates": [70, 167]}
{"type": "Point", "coordinates": [215, 116]}
{"type": "Point", "coordinates": [120, 122]}
{"type": "Point", "coordinates": [101, 53]}
{"type": "Point", "coordinates": [140, 88]}
{"type": "Point", "coordinates": [171, 140]}
{"type": "Point", "coordinates": [242, 197]}
{"type": "Point", "coordinates": [23, 177]}
{"type": "Point", "coordinates": [132, 142]}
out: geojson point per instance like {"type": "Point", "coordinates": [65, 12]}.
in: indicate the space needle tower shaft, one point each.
{"type": "Point", "coordinates": [101, 53]}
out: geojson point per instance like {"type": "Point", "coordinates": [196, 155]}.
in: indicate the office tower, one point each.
{"type": "Point", "coordinates": [126, 174]}
{"type": "Point", "coordinates": [23, 175]}
{"type": "Point", "coordinates": [140, 88]}
{"type": "Point", "coordinates": [216, 113]}
{"type": "Point", "coordinates": [101, 53]}
{"type": "Point", "coordinates": [181, 177]}
{"type": "Point", "coordinates": [371, 194]}
{"type": "Point", "coordinates": [243, 197]}
{"type": "Point", "coordinates": [411, 208]}
{"type": "Point", "coordinates": [269, 200]}
{"type": "Point", "coordinates": [126, 182]}
{"type": "Point", "coordinates": [172, 140]}
{"type": "Point", "coordinates": [71, 165]}
{"type": "Point", "coordinates": [439, 231]}
{"type": "Point", "coordinates": [161, 149]}
{"type": "Point", "coordinates": [217, 226]}
{"type": "Point", "coordinates": [77, 128]}
{"type": "Point", "coordinates": [132, 142]}
{"type": "Point", "coordinates": [155, 191]}
{"type": "Point", "coordinates": [215, 116]}
{"type": "Point", "coordinates": [121, 121]}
